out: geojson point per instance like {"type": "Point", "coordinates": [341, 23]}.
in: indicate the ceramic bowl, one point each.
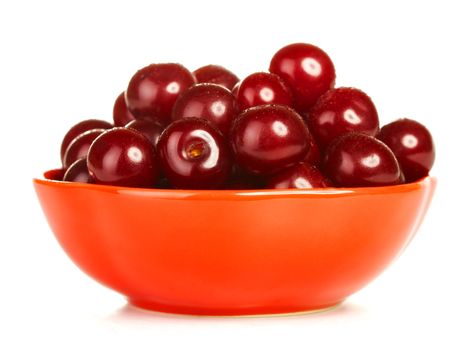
{"type": "Point", "coordinates": [233, 252]}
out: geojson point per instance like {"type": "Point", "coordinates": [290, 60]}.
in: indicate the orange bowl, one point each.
{"type": "Point", "coordinates": [233, 252]}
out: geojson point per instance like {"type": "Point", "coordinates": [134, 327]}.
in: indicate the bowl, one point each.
{"type": "Point", "coordinates": [233, 252]}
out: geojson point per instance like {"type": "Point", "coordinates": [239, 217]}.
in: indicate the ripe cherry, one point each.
{"type": "Point", "coordinates": [78, 172]}
{"type": "Point", "coordinates": [263, 88]}
{"type": "Point", "coordinates": [412, 145]}
{"type": "Point", "coordinates": [216, 75]}
{"type": "Point", "coordinates": [153, 90]}
{"type": "Point", "coordinates": [194, 154]}
{"type": "Point", "coordinates": [81, 127]}
{"type": "Point", "coordinates": [359, 160]}
{"type": "Point", "coordinates": [209, 101]}
{"type": "Point", "coordinates": [121, 114]}
{"type": "Point", "coordinates": [340, 111]}
{"type": "Point", "coordinates": [123, 157]}
{"type": "Point", "coordinates": [307, 70]}
{"type": "Point", "coordinates": [300, 176]}
{"type": "Point", "coordinates": [268, 138]}
{"type": "Point", "coordinates": [149, 128]}
{"type": "Point", "coordinates": [79, 147]}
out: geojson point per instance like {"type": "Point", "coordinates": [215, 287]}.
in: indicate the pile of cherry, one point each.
{"type": "Point", "coordinates": [286, 128]}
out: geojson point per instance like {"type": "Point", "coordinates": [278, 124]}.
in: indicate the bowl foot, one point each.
{"type": "Point", "coordinates": [236, 312]}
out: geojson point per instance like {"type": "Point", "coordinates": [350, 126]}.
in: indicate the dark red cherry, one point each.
{"type": "Point", "coordinates": [194, 154]}
{"type": "Point", "coordinates": [149, 128]}
{"type": "Point", "coordinates": [263, 88]}
{"type": "Point", "coordinates": [153, 90]}
{"type": "Point", "coordinates": [79, 128]}
{"type": "Point", "coordinates": [216, 75]}
{"type": "Point", "coordinates": [209, 101]}
{"type": "Point", "coordinates": [79, 147]}
{"type": "Point", "coordinates": [301, 176]}
{"type": "Point", "coordinates": [121, 114]}
{"type": "Point", "coordinates": [359, 160]}
{"type": "Point", "coordinates": [340, 111]}
{"type": "Point", "coordinates": [78, 172]}
{"type": "Point", "coordinates": [123, 157]}
{"type": "Point", "coordinates": [313, 155]}
{"type": "Point", "coordinates": [268, 138]}
{"type": "Point", "coordinates": [412, 145]}
{"type": "Point", "coordinates": [307, 70]}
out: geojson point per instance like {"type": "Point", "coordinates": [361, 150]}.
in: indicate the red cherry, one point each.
{"type": "Point", "coordinates": [149, 128]}
{"type": "Point", "coordinates": [79, 147]}
{"type": "Point", "coordinates": [194, 154]}
{"type": "Point", "coordinates": [153, 90]}
{"type": "Point", "coordinates": [80, 128]}
{"type": "Point", "coordinates": [359, 160]}
{"type": "Point", "coordinates": [301, 176]}
{"type": "Point", "coordinates": [121, 114]}
{"type": "Point", "coordinates": [263, 88]}
{"type": "Point", "coordinates": [123, 157]}
{"type": "Point", "coordinates": [216, 75]}
{"type": "Point", "coordinates": [235, 89]}
{"type": "Point", "coordinates": [78, 172]}
{"type": "Point", "coordinates": [412, 145]}
{"type": "Point", "coordinates": [307, 70]}
{"type": "Point", "coordinates": [268, 138]}
{"type": "Point", "coordinates": [340, 111]}
{"type": "Point", "coordinates": [209, 101]}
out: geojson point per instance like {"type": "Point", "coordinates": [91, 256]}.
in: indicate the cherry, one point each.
{"type": "Point", "coordinates": [79, 147]}
{"type": "Point", "coordinates": [359, 160]}
{"type": "Point", "coordinates": [216, 75]}
{"type": "Point", "coordinates": [209, 101]}
{"type": "Point", "coordinates": [235, 89]}
{"type": "Point", "coordinates": [313, 155]}
{"type": "Point", "coordinates": [149, 128]}
{"type": "Point", "coordinates": [412, 145]}
{"type": "Point", "coordinates": [307, 70]}
{"type": "Point", "coordinates": [268, 138]}
{"type": "Point", "coordinates": [340, 111]}
{"type": "Point", "coordinates": [153, 90]}
{"type": "Point", "coordinates": [78, 172]}
{"type": "Point", "coordinates": [194, 154]}
{"type": "Point", "coordinates": [121, 114]}
{"type": "Point", "coordinates": [81, 127]}
{"type": "Point", "coordinates": [263, 88]}
{"type": "Point", "coordinates": [123, 157]}
{"type": "Point", "coordinates": [301, 176]}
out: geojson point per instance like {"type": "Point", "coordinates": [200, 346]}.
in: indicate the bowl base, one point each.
{"type": "Point", "coordinates": [243, 312]}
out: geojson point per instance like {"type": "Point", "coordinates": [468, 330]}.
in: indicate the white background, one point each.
{"type": "Point", "coordinates": [62, 62]}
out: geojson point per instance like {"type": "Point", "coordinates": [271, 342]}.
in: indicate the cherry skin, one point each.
{"type": "Point", "coordinates": [78, 172]}
{"type": "Point", "coordinates": [340, 111]}
{"type": "Point", "coordinates": [123, 157]}
{"type": "Point", "coordinates": [359, 160]}
{"type": "Point", "coordinates": [153, 90]}
{"type": "Point", "coordinates": [121, 114]}
{"type": "Point", "coordinates": [149, 128]}
{"type": "Point", "coordinates": [235, 89]}
{"type": "Point", "coordinates": [80, 128]}
{"type": "Point", "coordinates": [263, 88]}
{"type": "Point", "coordinates": [209, 101]}
{"type": "Point", "coordinates": [412, 145]}
{"type": "Point", "coordinates": [307, 70]}
{"type": "Point", "coordinates": [216, 75]}
{"type": "Point", "coordinates": [313, 155]}
{"type": "Point", "coordinates": [194, 154]}
{"type": "Point", "coordinates": [300, 176]}
{"type": "Point", "coordinates": [268, 138]}
{"type": "Point", "coordinates": [79, 147]}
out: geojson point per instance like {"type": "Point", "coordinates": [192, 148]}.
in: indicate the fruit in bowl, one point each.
{"type": "Point", "coordinates": [280, 196]}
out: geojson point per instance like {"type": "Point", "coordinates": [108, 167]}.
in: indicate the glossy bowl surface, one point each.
{"type": "Point", "coordinates": [233, 252]}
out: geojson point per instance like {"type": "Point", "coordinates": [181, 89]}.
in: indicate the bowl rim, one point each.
{"type": "Point", "coordinates": [229, 193]}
